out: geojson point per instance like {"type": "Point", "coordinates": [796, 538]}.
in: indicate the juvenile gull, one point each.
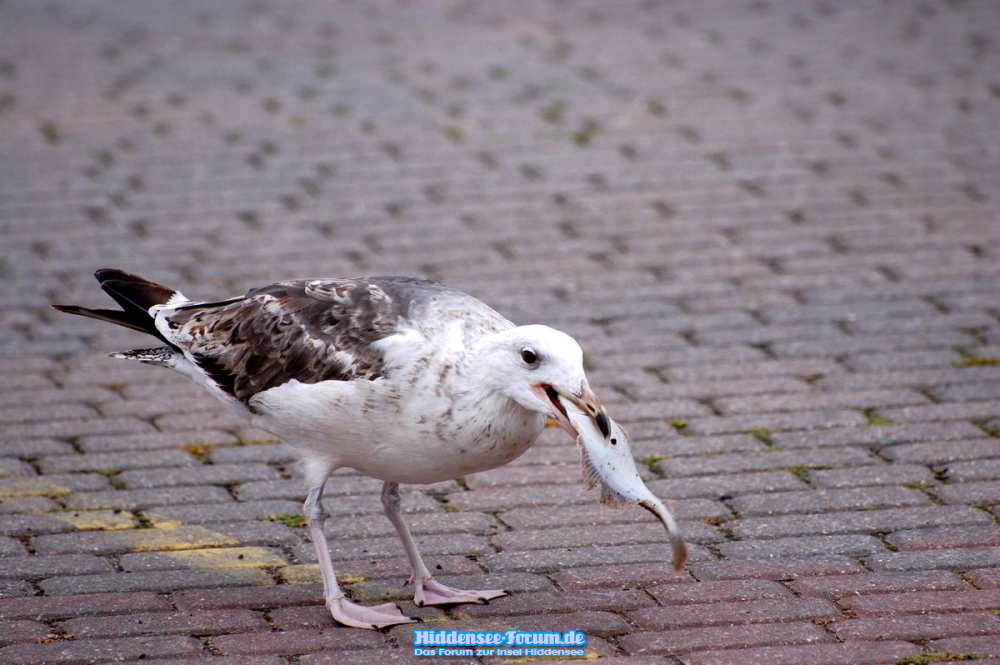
{"type": "Point", "coordinates": [401, 379]}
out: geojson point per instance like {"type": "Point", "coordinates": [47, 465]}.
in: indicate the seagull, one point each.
{"type": "Point", "coordinates": [402, 379]}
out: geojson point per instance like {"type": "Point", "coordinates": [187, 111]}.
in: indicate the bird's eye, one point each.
{"type": "Point", "coordinates": [529, 356]}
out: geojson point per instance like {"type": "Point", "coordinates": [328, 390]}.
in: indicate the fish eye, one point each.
{"type": "Point", "coordinates": [529, 356]}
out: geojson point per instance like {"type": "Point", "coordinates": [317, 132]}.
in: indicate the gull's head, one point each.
{"type": "Point", "coordinates": [541, 369]}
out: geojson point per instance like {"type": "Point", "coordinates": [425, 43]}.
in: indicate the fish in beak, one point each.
{"type": "Point", "coordinates": [606, 458]}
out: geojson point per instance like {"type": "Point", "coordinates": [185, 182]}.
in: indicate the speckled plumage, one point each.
{"type": "Point", "coordinates": [314, 330]}
{"type": "Point", "coordinates": [370, 373]}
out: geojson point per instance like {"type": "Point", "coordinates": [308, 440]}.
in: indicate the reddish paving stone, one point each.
{"type": "Point", "coordinates": [896, 474]}
{"type": "Point", "coordinates": [985, 579]}
{"type": "Point", "coordinates": [848, 586]}
{"type": "Point", "coordinates": [964, 558]}
{"type": "Point", "coordinates": [377, 568]}
{"type": "Point", "coordinates": [671, 445]}
{"type": "Point", "coordinates": [684, 640]}
{"type": "Point", "coordinates": [161, 580]}
{"type": "Point", "coordinates": [558, 559]}
{"type": "Point", "coordinates": [612, 600]}
{"type": "Point", "coordinates": [11, 547]}
{"type": "Point", "coordinates": [916, 627]}
{"type": "Point", "coordinates": [713, 592]}
{"type": "Point", "coordinates": [513, 583]}
{"type": "Point", "coordinates": [216, 474]}
{"type": "Point", "coordinates": [902, 433]}
{"type": "Point", "coordinates": [750, 611]}
{"type": "Point", "coordinates": [153, 441]}
{"type": "Point", "coordinates": [15, 588]}
{"type": "Point", "coordinates": [64, 429]}
{"type": "Point", "coordinates": [708, 425]}
{"type": "Point", "coordinates": [984, 646]}
{"type": "Point", "coordinates": [45, 566]}
{"type": "Point", "coordinates": [212, 513]}
{"type": "Point", "coordinates": [779, 569]}
{"type": "Point", "coordinates": [986, 492]}
{"type": "Point", "coordinates": [581, 536]}
{"type": "Point", "coordinates": [431, 545]}
{"type": "Point", "coordinates": [941, 452]}
{"type": "Point", "coordinates": [12, 632]}
{"type": "Point", "coordinates": [46, 608]}
{"type": "Point", "coordinates": [891, 519]}
{"type": "Point", "coordinates": [257, 532]}
{"type": "Point", "coordinates": [541, 518]}
{"type": "Point", "coordinates": [508, 498]}
{"type": "Point", "coordinates": [54, 485]}
{"type": "Point", "coordinates": [764, 461]}
{"type": "Point", "coordinates": [855, 653]}
{"type": "Point", "coordinates": [511, 476]}
{"type": "Point", "coordinates": [273, 453]}
{"type": "Point", "coordinates": [619, 575]}
{"type": "Point", "coordinates": [984, 469]}
{"type": "Point", "coordinates": [824, 500]}
{"type": "Point", "coordinates": [970, 411]}
{"type": "Point", "coordinates": [208, 622]}
{"type": "Point", "coordinates": [29, 448]}
{"type": "Point", "coordinates": [922, 602]}
{"type": "Point", "coordinates": [419, 523]}
{"type": "Point", "coordinates": [27, 504]}
{"type": "Point", "coordinates": [142, 499]}
{"type": "Point", "coordinates": [852, 545]}
{"type": "Point", "coordinates": [119, 648]}
{"type": "Point", "coordinates": [10, 466]}
{"type": "Point", "coordinates": [252, 598]}
{"type": "Point", "coordinates": [910, 378]}
{"type": "Point", "coordinates": [986, 535]}
{"type": "Point", "coordinates": [117, 460]}
{"type": "Point", "coordinates": [299, 641]}
{"type": "Point", "coordinates": [828, 400]}
{"type": "Point", "coordinates": [725, 486]}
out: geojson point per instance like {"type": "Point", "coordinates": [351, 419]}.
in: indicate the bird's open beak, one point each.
{"type": "Point", "coordinates": [606, 457]}
{"type": "Point", "coordinates": [586, 402]}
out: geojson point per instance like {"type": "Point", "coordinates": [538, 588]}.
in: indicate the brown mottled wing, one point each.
{"type": "Point", "coordinates": [308, 330]}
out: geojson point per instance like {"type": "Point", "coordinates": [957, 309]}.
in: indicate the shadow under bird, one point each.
{"type": "Point", "coordinates": [401, 379]}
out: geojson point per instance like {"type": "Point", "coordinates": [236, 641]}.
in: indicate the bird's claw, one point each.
{"type": "Point", "coordinates": [360, 616]}
{"type": "Point", "coordinates": [432, 592]}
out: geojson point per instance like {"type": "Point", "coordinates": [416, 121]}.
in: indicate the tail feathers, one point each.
{"type": "Point", "coordinates": [110, 315]}
{"type": "Point", "coordinates": [134, 292]}
{"type": "Point", "coordinates": [136, 295]}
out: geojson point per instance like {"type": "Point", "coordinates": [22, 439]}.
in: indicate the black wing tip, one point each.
{"type": "Point", "coordinates": [104, 274]}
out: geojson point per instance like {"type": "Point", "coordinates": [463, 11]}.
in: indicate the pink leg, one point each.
{"type": "Point", "coordinates": [429, 591]}
{"type": "Point", "coordinates": [342, 609]}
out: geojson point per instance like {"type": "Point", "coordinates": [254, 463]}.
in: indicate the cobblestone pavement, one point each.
{"type": "Point", "coordinates": [772, 225]}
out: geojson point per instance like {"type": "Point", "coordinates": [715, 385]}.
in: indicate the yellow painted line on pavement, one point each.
{"type": "Point", "coordinates": [97, 520]}
{"type": "Point", "coordinates": [308, 573]}
{"type": "Point", "coordinates": [227, 558]}
{"type": "Point", "coordinates": [19, 487]}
